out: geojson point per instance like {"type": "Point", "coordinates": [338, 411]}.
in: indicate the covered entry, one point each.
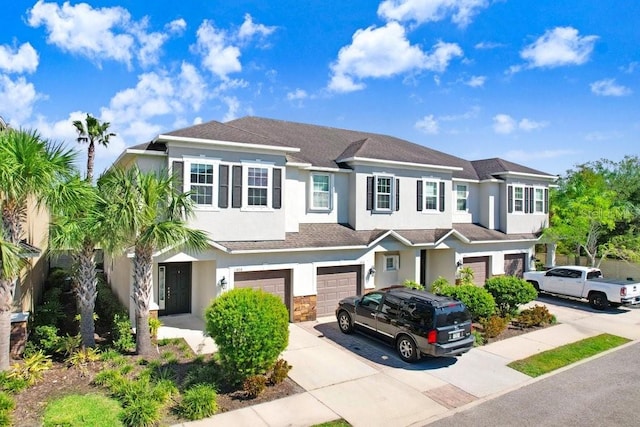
{"type": "Point", "coordinates": [335, 283]}
{"type": "Point", "coordinates": [174, 288]}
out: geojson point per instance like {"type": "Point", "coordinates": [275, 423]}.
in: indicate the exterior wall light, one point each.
{"type": "Point", "coordinates": [459, 264]}
{"type": "Point", "coordinates": [372, 272]}
{"type": "Point", "coordinates": [223, 282]}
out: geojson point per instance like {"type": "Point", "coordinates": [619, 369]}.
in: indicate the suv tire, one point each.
{"type": "Point", "coordinates": [407, 349]}
{"type": "Point", "coordinates": [344, 322]}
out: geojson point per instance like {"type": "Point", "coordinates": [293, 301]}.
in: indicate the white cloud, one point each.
{"type": "Point", "coordinates": [609, 87]}
{"type": "Point", "coordinates": [603, 136]}
{"type": "Point", "coordinates": [296, 95]}
{"type": "Point", "coordinates": [177, 26]}
{"type": "Point", "coordinates": [106, 33]}
{"type": "Point", "coordinates": [385, 52]}
{"type": "Point", "coordinates": [192, 87]}
{"type": "Point", "coordinates": [476, 81]}
{"type": "Point", "coordinates": [248, 29]}
{"type": "Point", "coordinates": [488, 45]}
{"type": "Point", "coordinates": [467, 115]}
{"type": "Point", "coordinates": [21, 60]}
{"type": "Point", "coordinates": [505, 124]}
{"type": "Point", "coordinates": [233, 106]}
{"type": "Point", "coordinates": [630, 68]}
{"type": "Point", "coordinates": [428, 124]}
{"type": "Point", "coordinates": [17, 98]}
{"type": "Point", "coordinates": [219, 56]}
{"type": "Point", "coordinates": [529, 155]}
{"type": "Point", "coordinates": [558, 47]}
{"type": "Point", "coordinates": [421, 11]}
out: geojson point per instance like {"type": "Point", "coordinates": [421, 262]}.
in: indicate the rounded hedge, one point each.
{"type": "Point", "coordinates": [250, 328]}
{"type": "Point", "coordinates": [509, 292]}
{"type": "Point", "coordinates": [479, 302]}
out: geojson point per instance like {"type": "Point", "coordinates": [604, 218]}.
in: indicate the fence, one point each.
{"type": "Point", "coordinates": [610, 267]}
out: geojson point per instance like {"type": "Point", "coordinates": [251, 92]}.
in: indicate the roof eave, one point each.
{"type": "Point", "coordinates": [226, 144]}
{"type": "Point", "coordinates": [369, 160]}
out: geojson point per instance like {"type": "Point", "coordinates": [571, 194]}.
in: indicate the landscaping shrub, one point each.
{"type": "Point", "coordinates": [538, 315]}
{"type": "Point", "coordinates": [279, 371]}
{"type": "Point", "coordinates": [465, 276]}
{"type": "Point", "coordinates": [45, 338]}
{"type": "Point", "coordinates": [143, 412]}
{"type": "Point", "coordinates": [6, 406]}
{"type": "Point", "coordinates": [51, 311]}
{"type": "Point", "coordinates": [494, 325]}
{"type": "Point", "coordinates": [479, 302]}
{"type": "Point", "coordinates": [413, 285]}
{"type": "Point", "coordinates": [478, 338]}
{"type": "Point", "coordinates": [254, 385]}
{"type": "Point", "coordinates": [107, 307]}
{"type": "Point", "coordinates": [199, 402]}
{"type": "Point", "coordinates": [32, 368]}
{"type": "Point", "coordinates": [250, 328]}
{"type": "Point", "coordinates": [123, 339]}
{"type": "Point", "coordinates": [154, 326]}
{"type": "Point", "coordinates": [509, 292]}
{"type": "Point", "coordinates": [439, 283]}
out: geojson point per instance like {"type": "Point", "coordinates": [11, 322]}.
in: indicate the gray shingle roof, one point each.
{"type": "Point", "coordinates": [318, 236]}
{"type": "Point", "coordinates": [490, 168]}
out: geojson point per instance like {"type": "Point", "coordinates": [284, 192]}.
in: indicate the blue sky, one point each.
{"type": "Point", "coordinates": [546, 83]}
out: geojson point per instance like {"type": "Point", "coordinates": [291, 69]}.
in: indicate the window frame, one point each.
{"type": "Point", "coordinates": [246, 166]}
{"type": "Point", "coordinates": [516, 199]}
{"type": "Point", "coordinates": [188, 163]}
{"type": "Point", "coordinates": [537, 190]}
{"type": "Point", "coordinates": [395, 262]}
{"type": "Point", "coordinates": [390, 194]}
{"type": "Point", "coordinates": [312, 192]}
{"type": "Point", "coordinates": [436, 183]}
{"type": "Point", "coordinates": [466, 198]}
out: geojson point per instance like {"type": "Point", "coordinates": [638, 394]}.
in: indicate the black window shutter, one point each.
{"type": "Point", "coordinates": [419, 195]}
{"type": "Point", "coordinates": [397, 194]}
{"type": "Point", "coordinates": [526, 200]}
{"type": "Point", "coordinates": [442, 197]}
{"type": "Point", "coordinates": [546, 200]}
{"type": "Point", "coordinates": [236, 192]}
{"type": "Point", "coordinates": [223, 186]}
{"type": "Point", "coordinates": [277, 188]}
{"type": "Point", "coordinates": [369, 193]}
{"type": "Point", "coordinates": [531, 199]}
{"type": "Point", "coordinates": [510, 196]}
{"type": "Point", "coordinates": [177, 169]}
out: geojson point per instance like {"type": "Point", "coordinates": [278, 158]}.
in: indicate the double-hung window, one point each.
{"type": "Point", "coordinates": [518, 199]}
{"type": "Point", "coordinates": [320, 192]}
{"type": "Point", "coordinates": [431, 196]}
{"type": "Point", "coordinates": [462, 195]}
{"type": "Point", "coordinates": [384, 188]}
{"type": "Point", "coordinates": [391, 262]}
{"type": "Point", "coordinates": [257, 186]}
{"type": "Point", "coordinates": [538, 203]}
{"type": "Point", "coordinates": [201, 183]}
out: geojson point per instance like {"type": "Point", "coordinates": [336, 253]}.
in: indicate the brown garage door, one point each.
{"type": "Point", "coordinates": [480, 267]}
{"type": "Point", "coordinates": [514, 264]}
{"type": "Point", "coordinates": [335, 283]}
{"type": "Point", "coordinates": [277, 282]}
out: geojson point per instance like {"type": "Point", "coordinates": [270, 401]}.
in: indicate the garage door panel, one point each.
{"type": "Point", "coordinates": [276, 282]}
{"type": "Point", "coordinates": [334, 284]}
{"type": "Point", "coordinates": [480, 267]}
{"type": "Point", "coordinates": [514, 264]}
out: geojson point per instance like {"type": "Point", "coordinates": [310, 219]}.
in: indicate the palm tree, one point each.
{"type": "Point", "coordinates": [144, 210]}
{"type": "Point", "coordinates": [76, 227]}
{"type": "Point", "coordinates": [29, 167]}
{"type": "Point", "coordinates": [92, 131]}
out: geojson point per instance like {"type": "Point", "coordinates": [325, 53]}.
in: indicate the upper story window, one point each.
{"type": "Point", "coordinates": [462, 194]}
{"type": "Point", "coordinates": [383, 193]}
{"type": "Point", "coordinates": [257, 186]}
{"type": "Point", "coordinates": [320, 191]}
{"type": "Point", "coordinates": [538, 200]}
{"type": "Point", "coordinates": [201, 183]}
{"type": "Point", "coordinates": [430, 196]}
{"type": "Point", "coordinates": [528, 200]}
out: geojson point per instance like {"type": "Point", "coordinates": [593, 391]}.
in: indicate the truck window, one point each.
{"type": "Point", "coordinates": [597, 274]}
{"type": "Point", "coordinates": [574, 274]}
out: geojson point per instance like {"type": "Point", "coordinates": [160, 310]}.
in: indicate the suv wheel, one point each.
{"type": "Point", "coordinates": [344, 322]}
{"type": "Point", "coordinates": [407, 349]}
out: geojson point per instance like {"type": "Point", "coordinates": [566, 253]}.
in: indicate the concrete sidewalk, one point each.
{"type": "Point", "coordinates": [365, 383]}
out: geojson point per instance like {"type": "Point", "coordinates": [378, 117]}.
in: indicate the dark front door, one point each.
{"type": "Point", "coordinates": [177, 288]}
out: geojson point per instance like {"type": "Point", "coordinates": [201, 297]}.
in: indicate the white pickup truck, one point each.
{"type": "Point", "coordinates": [585, 282]}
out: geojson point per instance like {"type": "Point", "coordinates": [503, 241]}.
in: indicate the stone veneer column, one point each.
{"type": "Point", "coordinates": [304, 308]}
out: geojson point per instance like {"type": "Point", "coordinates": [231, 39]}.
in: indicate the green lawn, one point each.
{"type": "Point", "coordinates": [551, 360]}
{"type": "Point", "coordinates": [335, 423]}
{"type": "Point", "coordinates": [90, 410]}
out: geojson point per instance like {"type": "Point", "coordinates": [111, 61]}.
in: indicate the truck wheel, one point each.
{"type": "Point", "coordinates": [598, 300]}
{"type": "Point", "coordinates": [535, 286]}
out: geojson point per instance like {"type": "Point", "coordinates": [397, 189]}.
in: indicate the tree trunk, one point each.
{"type": "Point", "coordinates": [91, 154]}
{"type": "Point", "coordinates": [86, 293]}
{"type": "Point", "coordinates": [142, 286]}
{"type": "Point", "coordinates": [6, 306]}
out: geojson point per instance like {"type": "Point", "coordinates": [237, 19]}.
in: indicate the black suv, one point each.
{"type": "Point", "coordinates": [415, 322]}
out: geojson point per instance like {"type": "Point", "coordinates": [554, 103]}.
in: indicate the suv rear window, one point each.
{"type": "Point", "coordinates": [421, 314]}
{"type": "Point", "coordinates": [452, 315]}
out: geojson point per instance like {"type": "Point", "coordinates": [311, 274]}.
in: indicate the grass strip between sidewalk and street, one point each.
{"type": "Point", "coordinates": [550, 360]}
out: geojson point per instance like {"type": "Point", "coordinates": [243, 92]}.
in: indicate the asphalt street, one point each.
{"type": "Point", "coordinates": [601, 392]}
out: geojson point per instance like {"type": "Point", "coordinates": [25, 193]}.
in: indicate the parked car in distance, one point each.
{"type": "Point", "coordinates": [415, 322]}
{"type": "Point", "coordinates": [585, 282]}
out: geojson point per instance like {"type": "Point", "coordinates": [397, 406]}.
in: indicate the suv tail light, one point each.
{"type": "Point", "coordinates": [623, 291]}
{"type": "Point", "coordinates": [432, 336]}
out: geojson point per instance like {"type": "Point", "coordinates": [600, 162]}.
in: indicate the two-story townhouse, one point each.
{"type": "Point", "coordinates": [313, 214]}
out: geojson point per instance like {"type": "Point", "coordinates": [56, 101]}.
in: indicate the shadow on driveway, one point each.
{"type": "Point", "coordinates": [376, 351]}
{"type": "Point", "coordinates": [582, 305]}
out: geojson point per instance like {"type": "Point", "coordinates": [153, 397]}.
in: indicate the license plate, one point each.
{"type": "Point", "coordinates": [455, 335]}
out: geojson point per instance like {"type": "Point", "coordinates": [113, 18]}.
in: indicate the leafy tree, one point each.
{"type": "Point", "coordinates": [92, 131]}
{"type": "Point", "coordinates": [582, 209]}
{"type": "Point", "coordinates": [144, 210]}
{"type": "Point", "coordinates": [30, 167]}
